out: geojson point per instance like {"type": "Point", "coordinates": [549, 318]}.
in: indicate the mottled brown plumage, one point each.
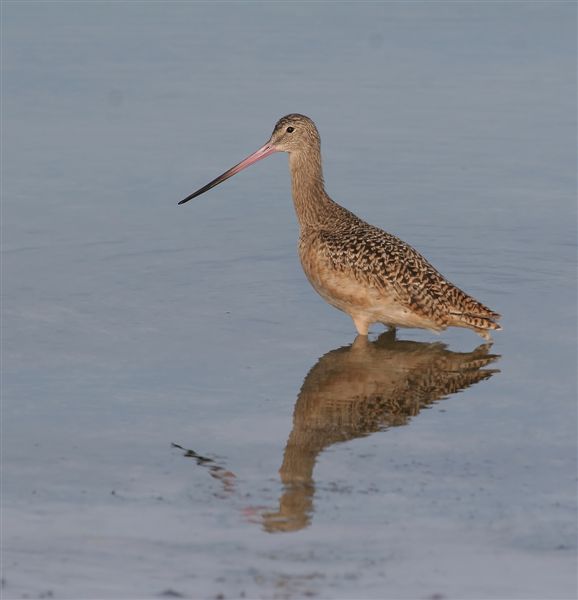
{"type": "Point", "coordinates": [360, 269]}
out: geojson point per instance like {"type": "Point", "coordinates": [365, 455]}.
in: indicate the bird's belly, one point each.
{"type": "Point", "coordinates": [356, 297]}
{"type": "Point", "coordinates": [359, 298]}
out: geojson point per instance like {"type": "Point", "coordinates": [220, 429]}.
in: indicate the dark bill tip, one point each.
{"type": "Point", "coordinates": [207, 187]}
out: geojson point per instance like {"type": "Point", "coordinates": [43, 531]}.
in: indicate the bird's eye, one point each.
{"type": "Point", "coordinates": [290, 129]}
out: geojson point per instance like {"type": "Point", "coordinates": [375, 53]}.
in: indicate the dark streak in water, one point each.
{"type": "Point", "coordinates": [226, 477]}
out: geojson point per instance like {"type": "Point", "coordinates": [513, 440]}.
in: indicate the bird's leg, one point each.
{"type": "Point", "coordinates": [361, 324]}
{"type": "Point", "coordinates": [361, 343]}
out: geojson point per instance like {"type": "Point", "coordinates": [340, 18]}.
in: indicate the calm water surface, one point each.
{"type": "Point", "coordinates": [182, 415]}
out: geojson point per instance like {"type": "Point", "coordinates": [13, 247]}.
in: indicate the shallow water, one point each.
{"type": "Point", "coordinates": [413, 468]}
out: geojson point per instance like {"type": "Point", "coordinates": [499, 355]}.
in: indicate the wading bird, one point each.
{"type": "Point", "coordinates": [370, 274]}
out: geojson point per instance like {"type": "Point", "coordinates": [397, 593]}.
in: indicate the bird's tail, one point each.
{"type": "Point", "coordinates": [481, 324]}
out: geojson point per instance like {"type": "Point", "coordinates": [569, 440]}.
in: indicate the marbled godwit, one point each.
{"type": "Point", "coordinates": [360, 269]}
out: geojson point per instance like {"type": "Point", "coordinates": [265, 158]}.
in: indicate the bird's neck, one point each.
{"type": "Point", "coordinates": [312, 204]}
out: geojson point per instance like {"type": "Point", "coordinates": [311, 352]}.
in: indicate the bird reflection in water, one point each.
{"type": "Point", "coordinates": [353, 392]}
{"type": "Point", "coordinates": [357, 390]}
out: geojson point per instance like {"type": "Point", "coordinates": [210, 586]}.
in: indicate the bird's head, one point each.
{"type": "Point", "coordinates": [294, 133]}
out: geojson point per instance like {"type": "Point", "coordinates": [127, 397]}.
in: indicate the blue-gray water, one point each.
{"type": "Point", "coordinates": [130, 323]}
